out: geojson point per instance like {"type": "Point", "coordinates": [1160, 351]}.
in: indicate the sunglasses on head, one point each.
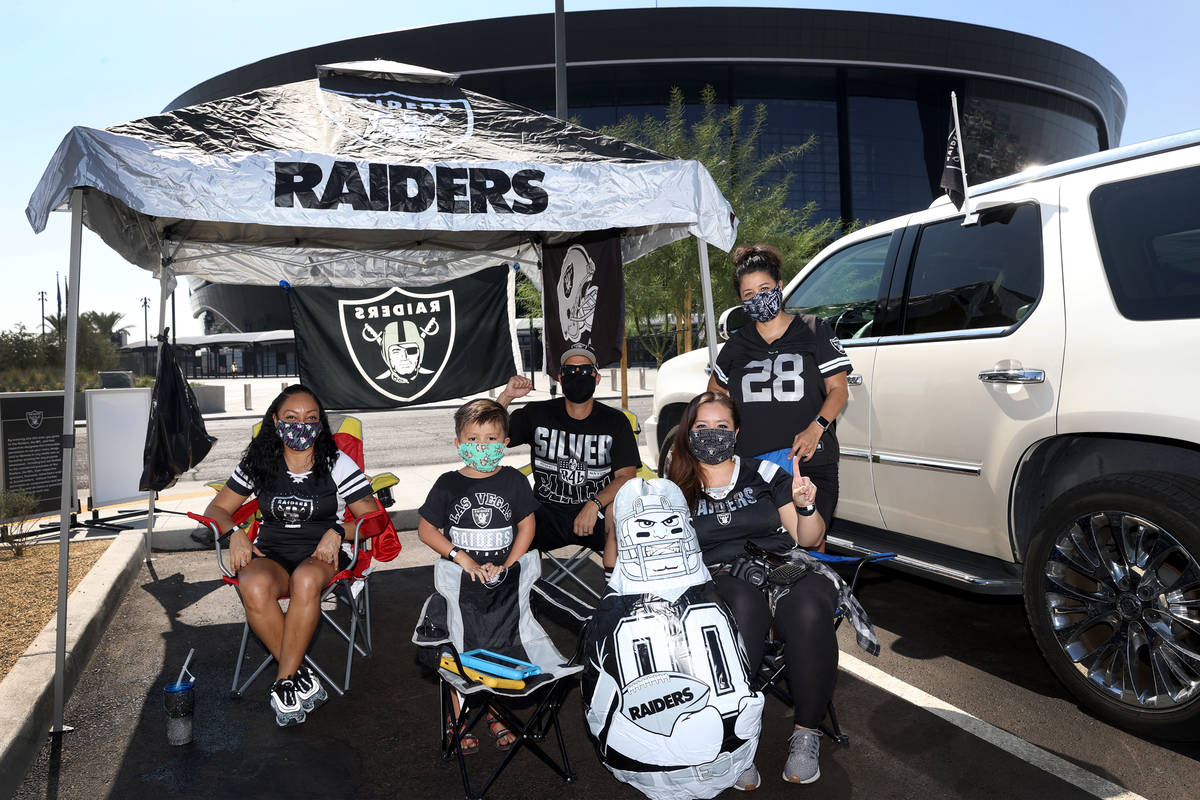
{"type": "Point", "coordinates": [577, 369]}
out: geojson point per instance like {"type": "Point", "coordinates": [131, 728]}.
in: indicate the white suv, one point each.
{"type": "Point", "coordinates": [1023, 413]}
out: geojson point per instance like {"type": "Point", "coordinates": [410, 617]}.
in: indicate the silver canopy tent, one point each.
{"type": "Point", "coordinates": [372, 174]}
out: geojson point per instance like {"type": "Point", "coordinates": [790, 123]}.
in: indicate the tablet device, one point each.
{"type": "Point", "coordinates": [498, 664]}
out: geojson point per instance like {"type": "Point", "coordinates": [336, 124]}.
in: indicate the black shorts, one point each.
{"type": "Point", "coordinates": [556, 528]}
{"type": "Point", "coordinates": [293, 555]}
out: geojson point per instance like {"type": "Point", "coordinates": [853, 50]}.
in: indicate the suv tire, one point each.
{"type": "Point", "coordinates": [664, 452]}
{"type": "Point", "coordinates": [1112, 592]}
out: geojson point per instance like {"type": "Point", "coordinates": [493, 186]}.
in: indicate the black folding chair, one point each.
{"type": "Point", "coordinates": [772, 674]}
{"type": "Point", "coordinates": [452, 622]}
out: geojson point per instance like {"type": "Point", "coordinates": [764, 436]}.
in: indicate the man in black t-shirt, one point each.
{"type": "Point", "coordinates": [582, 452]}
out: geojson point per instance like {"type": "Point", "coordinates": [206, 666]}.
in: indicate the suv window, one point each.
{"type": "Point", "coordinates": [844, 288]}
{"type": "Point", "coordinates": [1148, 229]}
{"type": "Point", "coordinates": [986, 275]}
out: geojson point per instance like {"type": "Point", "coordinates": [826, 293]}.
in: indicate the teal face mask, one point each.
{"type": "Point", "coordinates": [482, 456]}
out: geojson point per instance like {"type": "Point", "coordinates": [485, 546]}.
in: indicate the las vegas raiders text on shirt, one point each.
{"type": "Point", "coordinates": [747, 510]}
{"type": "Point", "coordinates": [573, 459]}
{"type": "Point", "coordinates": [480, 515]}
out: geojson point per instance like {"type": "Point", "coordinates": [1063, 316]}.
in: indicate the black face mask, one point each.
{"type": "Point", "coordinates": [578, 388]}
{"type": "Point", "coordinates": [712, 445]}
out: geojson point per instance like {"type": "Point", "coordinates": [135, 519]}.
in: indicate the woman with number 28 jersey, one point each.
{"type": "Point", "coordinates": [787, 375]}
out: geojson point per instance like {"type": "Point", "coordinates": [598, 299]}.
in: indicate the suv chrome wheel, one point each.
{"type": "Point", "coordinates": [1123, 597]}
{"type": "Point", "coordinates": [1112, 590]}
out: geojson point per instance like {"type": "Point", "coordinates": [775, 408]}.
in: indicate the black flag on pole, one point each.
{"type": "Point", "coordinates": [382, 348]}
{"type": "Point", "coordinates": [583, 298]}
{"type": "Point", "coordinates": [952, 174]}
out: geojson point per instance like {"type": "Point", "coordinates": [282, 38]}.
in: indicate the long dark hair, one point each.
{"type": "Point", "coordinates": [264, 455]}
{"type": "Point", "coordinates": [685, 469]}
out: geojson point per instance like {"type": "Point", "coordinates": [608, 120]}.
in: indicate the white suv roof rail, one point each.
{"type": "Point", "coordinates": [1139, 150]}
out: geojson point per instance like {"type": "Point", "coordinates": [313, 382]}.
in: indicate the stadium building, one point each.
{"type": "Point", "coordinates": [874, 89]}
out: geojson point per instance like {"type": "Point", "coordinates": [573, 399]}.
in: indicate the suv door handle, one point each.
{"type": "Point", "coordinates": [1012, 376]}
{"type": "Point", "coordinates": [854, 380]}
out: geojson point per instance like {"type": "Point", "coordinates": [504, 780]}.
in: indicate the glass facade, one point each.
{"type": "Point", "coordinates": [878, 133]}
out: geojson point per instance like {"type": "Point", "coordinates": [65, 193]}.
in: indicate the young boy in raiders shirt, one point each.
{"type": "Point", "coordinates": [582, 452]}
{"type": "Point", "coordinates": [485, 515]}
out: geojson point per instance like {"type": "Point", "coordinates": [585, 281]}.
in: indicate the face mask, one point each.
{"type": "Point", "coordinates": [764, 306]}
{"type": "Point", "coordinates": [298, 435]}
{"type": "Point", "coordinates": [712, 445]}
{"type": "Point", "coordinates": [482, 456]}
{"type": "Point", "coordinates": [578, 388]}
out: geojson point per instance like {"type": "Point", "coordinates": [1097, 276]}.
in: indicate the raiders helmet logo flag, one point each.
{"type": "Point", "coordinates": [383, 118]}
{"type": "Point", "coordinates": [584, 297]}
{"type": "Point", "coordinates": [382, 348]}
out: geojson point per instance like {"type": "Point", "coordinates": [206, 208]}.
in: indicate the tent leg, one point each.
{"type": "Point", "coordinates": [68, 456]}
{"type": "Point", "coordinates": [710, 320]}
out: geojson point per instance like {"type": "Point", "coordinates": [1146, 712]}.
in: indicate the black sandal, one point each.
{"type": "Point", "coordinates": [498, 731]}
{"type": "Point", "coordinates": [469, 742]}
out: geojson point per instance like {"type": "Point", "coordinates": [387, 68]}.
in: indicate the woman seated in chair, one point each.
{"type": "Point", "coordinates": [304, 484]}
{"type": "Point", "coordinates": [735, 500]}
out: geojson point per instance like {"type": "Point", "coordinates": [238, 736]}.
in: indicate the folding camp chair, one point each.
{"type": "Point", "coordinates": [771, 678]}
{"type": "Point", "coordinates": [462, 616]}
{"type": "Point", "coordinates": [375, 539]}
{"type": "Point", "coordinates": [571, 565]}
{"type": "Point", "coordinates": [348, 587]}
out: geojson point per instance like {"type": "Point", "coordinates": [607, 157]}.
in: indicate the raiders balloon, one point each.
{"type": "Point", "coordinates": [665, 683]}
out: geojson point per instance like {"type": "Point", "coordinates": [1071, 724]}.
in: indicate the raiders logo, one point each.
{"type": "Point", "coordinates": [837, 345]}
{"type": "Point", "coordinates": [724, 516]}
{"type": "Point", "coordinates": [482, 516]}
{"type": "Point", "coordinates": [571, 470]}
{"type": "Point", "coordinates": [34, 418]}
{"type": "Point", "coordinates": [399, 341]}
{"type": "Point", "coordinates": [405, 121]}
{"type": "Point", "coordinates": [291, 508]}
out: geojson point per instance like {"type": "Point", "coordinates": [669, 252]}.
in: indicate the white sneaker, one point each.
{"type": "Point", "coordinates": [286, 703]}
{"type": "Point", "coordinates": [749, 780]}
{"type": "Point", "coordinates": [804, 750]}
{"type": "Point", "coordinates": [310, 691]}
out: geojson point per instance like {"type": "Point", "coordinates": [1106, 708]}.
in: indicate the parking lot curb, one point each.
{"type": "Point", "coordinates": [27, 692]}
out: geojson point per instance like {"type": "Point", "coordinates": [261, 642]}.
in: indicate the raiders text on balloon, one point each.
{"type": "Point", "coordinates": [410, 189]}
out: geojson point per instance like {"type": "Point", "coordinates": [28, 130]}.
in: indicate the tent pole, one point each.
{"type": "Point", "coordinates": [68, 456]}
{"type": "Point", "coordinates": [710, 322]}
{"type": "Point", "coordinates": [163, 290]}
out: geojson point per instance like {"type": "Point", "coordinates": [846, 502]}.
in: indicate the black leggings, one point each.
{"type": "Point", "coordinates": [804, 622]}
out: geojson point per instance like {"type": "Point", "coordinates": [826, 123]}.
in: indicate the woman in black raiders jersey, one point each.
{"type": "Point", "coordinates": [787, 375]}
{"type": "Point", "coordinates": [303, 484]}
{"type": "Point", "coordinates": [735, 500]}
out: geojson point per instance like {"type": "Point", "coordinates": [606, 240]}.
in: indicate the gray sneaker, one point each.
{"type": "Point", "coordinates": [804, 750]}
{"type": "Point", "coordinates": [749, 780]}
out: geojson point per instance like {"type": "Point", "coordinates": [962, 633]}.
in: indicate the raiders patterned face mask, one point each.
{"type": "Point", "coordinates": [482, 456]}
{"type": "Point", "coordinates": [764, 306]}
{"type": "Point", "coordinates": [298, 435]}
{"type": "Point", "coordinates": [712, 445]}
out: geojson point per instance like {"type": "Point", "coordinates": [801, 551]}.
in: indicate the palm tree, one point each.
{"type": "Point", "coordinates": [104, 322]}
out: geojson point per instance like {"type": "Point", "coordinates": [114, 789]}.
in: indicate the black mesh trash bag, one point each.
{"type": "Point", "coordinates": [176, 439]}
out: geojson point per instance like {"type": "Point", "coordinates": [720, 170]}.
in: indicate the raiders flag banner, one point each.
{"type": "Point", "coordinates": [584, 293]}
{"type": "Point", "coordinates": [954, 177]}
{"type": "Point", "coordinates": [373, 348]}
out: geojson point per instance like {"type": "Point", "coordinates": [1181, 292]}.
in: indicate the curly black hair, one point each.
{"type": "Point", "coordinates": [263, 457]}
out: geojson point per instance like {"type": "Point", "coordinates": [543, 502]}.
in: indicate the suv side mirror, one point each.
{"type": "Point", "coordinates": [731, 319]}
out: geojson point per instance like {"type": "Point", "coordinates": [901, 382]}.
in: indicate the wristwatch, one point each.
{"type": "Point", "coordinates": [599, 506]}
{"type": "Point", "coordinates": [453, 552]}
{"type": "Point", "coordinates": [806, 511]}
{"type": "Point", "coordinates": [824, 423]}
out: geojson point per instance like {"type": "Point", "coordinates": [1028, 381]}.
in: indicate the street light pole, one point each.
{"type": "Point", "coordinates": [42, 297]}
{"type": "Point", "coordinates": [146, 333]}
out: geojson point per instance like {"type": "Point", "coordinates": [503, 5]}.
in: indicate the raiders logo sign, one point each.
{"type": "Point", "coordinates": [291, 509]}
{"type": "Point", "coordinates": [34, 418]}
{"type": "Point", "coordinates": [390, 117]}
{"type": "Point", "coordinates": [724, 516]}
{"type": "Point", "coordinates": [399, 341]}
{"type": "Point", "coordinates": [482, 516]}
{"type": "Point", "coordinates": [571, 470]}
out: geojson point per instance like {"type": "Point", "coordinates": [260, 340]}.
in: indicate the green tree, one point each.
{"type": "Point", "coordinates": [105, 323]}
{"type": "Point", "coordinates": [662, 289]}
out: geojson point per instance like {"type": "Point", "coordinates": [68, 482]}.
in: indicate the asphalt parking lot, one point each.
{"type": "Point", "coordinates": [971, 657]}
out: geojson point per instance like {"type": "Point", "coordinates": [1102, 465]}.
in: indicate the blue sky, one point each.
{"type": "Point", "coordinates": [97, 63]}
